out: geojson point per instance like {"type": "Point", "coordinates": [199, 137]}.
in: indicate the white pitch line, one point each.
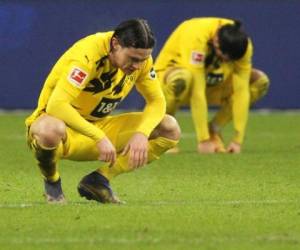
{"type": "Point", "coordinates": [255, 202]}
{"type": "Point", "coordinates": [159, 203]}
{"type": "Point", "coordinates": [15, 205]}
{"type": "Point", "coordinates": [150, 240]}
{"type": "Point", "coordinates": [77, 241]}
{"type": "Point", "coordinates": [229, 202]}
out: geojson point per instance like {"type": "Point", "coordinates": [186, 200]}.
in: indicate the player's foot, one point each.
{"type": "Point", "coordinates": [217, 139]}
{"type": "Point", "coordinates": [174, 150]}
{"type": "Point", "coordinates": [95, 186]}
{"type": "Point", "coordinates": [53, 192]}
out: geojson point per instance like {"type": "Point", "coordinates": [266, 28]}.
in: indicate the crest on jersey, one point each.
{"type": "Point", "coordinates": [152, 74]}
{"type": "Point", "coordinates": [77, 76]}
{"type": "Point", "coordinates": [197, 57]}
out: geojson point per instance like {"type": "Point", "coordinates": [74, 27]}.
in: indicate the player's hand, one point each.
{"type": "Point", "coordinates": [107, 150]}
{"type": "Point", "coordinates": [137, 147]}
{"type": "Point", "coordinates": [234, 148]}
{"type": "Point", "coordinates": [207, 147]}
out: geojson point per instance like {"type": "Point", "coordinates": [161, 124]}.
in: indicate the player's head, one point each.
{"type": "Point", "coordinates": [135, 33]}
{"type": "Point", "coordinates": [131, 44]}
{"type": "Point", "coordinates": [231, 41]}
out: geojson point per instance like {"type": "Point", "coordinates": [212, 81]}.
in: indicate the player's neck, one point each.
{"type": "Point", "coordinates": [112, 60]}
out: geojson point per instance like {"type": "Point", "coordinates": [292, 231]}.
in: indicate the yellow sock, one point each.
{"type": "Point", "coordinates": [156, 147]}
{"type": "Point", "coordinates": [46, 159]}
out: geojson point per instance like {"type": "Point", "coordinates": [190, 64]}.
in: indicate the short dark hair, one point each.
{"type": "Point", "coordinates": [233, 40]}
{"type": "Point", "coordinates": [135, 33]}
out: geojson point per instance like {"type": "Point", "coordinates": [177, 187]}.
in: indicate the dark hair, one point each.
{"type": "Point", "coordinates": [233, 40]}
{"type": "Point", "coordinates": [135, 33]}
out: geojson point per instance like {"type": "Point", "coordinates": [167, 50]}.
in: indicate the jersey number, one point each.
{"type": "Point", "coordinates": [106, 106]}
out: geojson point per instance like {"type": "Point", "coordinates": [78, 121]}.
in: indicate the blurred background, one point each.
{"type": "Point", "coordinates": [33, 35]}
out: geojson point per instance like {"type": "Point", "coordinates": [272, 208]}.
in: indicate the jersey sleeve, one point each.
{"type": "Point", "coordinates": [199, 107]}
{"type": "Point", "coordinates": [193, 53]}
{"type": "Point", "coordinates": [149, 87]}
{"type": "Point", "coordinates": [70, 83]}
{"type": "Point", "coordinates": [74, 77]}
{"type": "Point", "coordinates": [241, 94]}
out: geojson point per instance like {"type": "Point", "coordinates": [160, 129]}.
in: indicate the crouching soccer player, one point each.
{"type": "Point", "coordinates": [208, 61]}
{"type": "Point", "coordinates": [72, 119]}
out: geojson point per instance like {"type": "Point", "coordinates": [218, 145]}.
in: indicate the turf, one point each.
{"type": "Point", "coordinates": [184, 201]}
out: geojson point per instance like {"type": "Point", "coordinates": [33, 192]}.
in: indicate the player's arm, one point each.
{"type": "Point", "coordinates": [59, 105]}
{"type": "Point", "coordinates": [149, 87]}
{"type": "Point", "coordinates": [240, 106]}
{"type": "Point", "coordinates": [199, 111]}
{"type": "Point", "coordinates": [199, 105]}
{"type": "Point", "coordinates": [241, 95]}
{"type": "Point", "coordinates": [67, 89]}
{"type": "Point", "coordinates": [193, 54]}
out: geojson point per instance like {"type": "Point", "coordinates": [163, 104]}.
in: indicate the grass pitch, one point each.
{"type": "Point", "coordinates": [184, 201]}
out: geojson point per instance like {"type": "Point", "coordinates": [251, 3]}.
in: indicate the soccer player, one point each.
{"type": "Point", "coordinates": [72, 120]}
{"type": "Point", "coordinates": [208, 61]}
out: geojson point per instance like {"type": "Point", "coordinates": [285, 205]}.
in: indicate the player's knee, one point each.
{"type": "Point", "coordinates": [49, 134]}
{"type": "Point", "coordinates": [179, 82]}
{"type": "Point", "coordinates": [265, 81]}
{"type": "Point", "coordinates": [259, 84]}
{"type": "Point", "coordinates": [169, 128]}
{"type": "Point", "coordinates": [255, 75]}
{"type": "Point", "coordinates": [259, 76]}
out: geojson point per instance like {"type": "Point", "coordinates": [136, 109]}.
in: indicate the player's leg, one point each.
{"type": "Point", "coordinates": [176, 85]}
{"type": "Point", "coordinates": [259, 84]}
{"type": "Point", "coordinates": [45, 138]}
{"type": "Point", "coordinates": [78, 147]}
{"type": "Point", "coordinates": [164, 137]}
{"type": "Point", "coordinates": [120, 129]}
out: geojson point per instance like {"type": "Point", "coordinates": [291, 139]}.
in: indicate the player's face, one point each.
{"type": "Point", "coordinates": [128, 59]}
{"type": "Point", "coordinates": [219, 53]}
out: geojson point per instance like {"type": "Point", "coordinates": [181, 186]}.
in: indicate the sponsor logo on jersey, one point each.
{"type": "Point", "coordinates": [77, 76]}
{"type": "Point", "coordinates": [197, 57]}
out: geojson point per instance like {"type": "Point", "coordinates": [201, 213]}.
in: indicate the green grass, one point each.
{"type": "Point", "coordinates": [185, 201]}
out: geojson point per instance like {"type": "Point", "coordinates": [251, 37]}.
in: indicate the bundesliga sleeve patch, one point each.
{"type": "Point", "coordinates": [77, 76]}
{"type": "Point", "coordinates": [197, 57]}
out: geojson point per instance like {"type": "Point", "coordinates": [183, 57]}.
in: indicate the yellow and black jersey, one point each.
{"type": "Point", "coordinates": [190, 47]}
{"type": "Point", "coordinates": [84, 87]}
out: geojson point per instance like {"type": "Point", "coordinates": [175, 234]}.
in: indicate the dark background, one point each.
{"type": "Point", "coordinates": [33, 34]}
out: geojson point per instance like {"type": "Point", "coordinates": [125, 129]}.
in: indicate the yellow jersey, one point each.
{"type": "Point", "coordinates": [190, 47]}
{"type": "Point", "coordinates": [84, 87]}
